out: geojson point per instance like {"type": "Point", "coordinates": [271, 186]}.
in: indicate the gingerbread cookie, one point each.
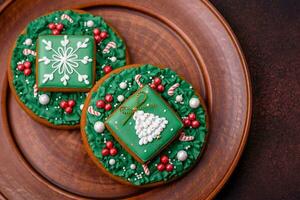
{"type": "Point", "coordinates": [57, 59]}
{"type": "Point", "coordinates": [144, 125]}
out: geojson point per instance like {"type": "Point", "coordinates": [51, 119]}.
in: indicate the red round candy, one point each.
{"type": "Point", "coordinates": [59, 26]}
{"type": "Point", "coordinates": [195, 124]}
{"type": "Point", "coordinates": [164, 159]}
{"type": "Point", "coordinates": [63, 104]}
{"type": "Point", "coordinates": [51, 26]}
{"type": "Point", "coordinates": [103, 34]}
{"type": "Point", "coordinates": [27, 64]}
{"type": "Point", "coordinates": [107, 107]}
{"type": "Point", "coordinates": [107, 69]}
{"type": "Point", "coordinates": [153, 86]}
{"type": "Point", "coordinates": [169, 167]}
{"type": "Point", "coordinates": [105, 152]}
{"type": "Point", "coordinates": [109, 98]}
{"type": "Point", "coordinates": [100, 104]}
{"type": "Point", "coordinates": [71, 103]}
{"type": "Point", "coordinates": [96, 31]}
{"type": "Point", "coordinates": [55, 32]}
{"type": "Point", "coordinates": [97, 38]}
{"type": "Point", "coordinates": [69, 110]}
{"type": "Point", "coordinates": [113, 151]}
{"type": "Point", "coordinates": [109, 144]}
{"type": "Point", "coordinates": [160, 167]}
{"type": "Point", "coordinates": [186, 122]}
{"type": "Point", "coordinates": [27, 72]}
{"type": "Point", "coordinates": [21, 67]}
{"type": "Point", "coordinates": [157, 81]}
{"type": "Point", "coordinates": [160, 88]}
{"type": "Point", "coordinates": [192, 116]}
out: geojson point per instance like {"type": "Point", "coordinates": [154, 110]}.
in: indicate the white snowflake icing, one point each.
{"type": "Point", "coordinates": [65, 60]}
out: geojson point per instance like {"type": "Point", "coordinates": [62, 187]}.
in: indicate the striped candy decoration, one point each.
{"type": "Point", "coordinates": [27, 52]}
{"type": "Point", "coordinates": [137, 79]}
{"type": "Point", "coordinates": [146, 169]}
{"type": "Point", "coordinates": [172, 89]}
{"type": "Point", "coordinates": [109, 46]}
{"type": "Point", "coordinates": [93, 112]}
{"type": "Point", "coordinates": [67, 17]}
{"type": "Point", "coordinates": [185, 138]}
{"type": "Point", "coordinates": [35, 90]}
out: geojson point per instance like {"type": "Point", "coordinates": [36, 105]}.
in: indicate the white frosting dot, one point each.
{"type": "Point", "coordinates": [123, 85]}
{"type": "Point", "coordinates": [44, 99]}
{"type": "Point", "coordinates": [99, 127]}
{"type": "Point", "coordinates": [179, 98]}
{"type": "Point", "coordinates": [112, 161]}
{"type": "Point", "coordinates": [113, 59]}
{"type": "Point", "coordinates": [181, 155]}
{"type": "Point", "coordinates": [90, 23]}
{"type": "Point", "coordinates": [28, 42]}
{"type": "Point", "coordinates": [132, 166]}
{"type": "Point", "coordinates": [120, 98]}
{"type": "Point", "coordinates": [81, 106]}
{"type": "Point", "coordinates": [194, 102]}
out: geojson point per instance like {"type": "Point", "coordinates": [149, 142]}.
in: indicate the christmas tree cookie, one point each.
{"type": "Point", "coordinates": [144, 125]}
{"type": "Point", "coordinates": [57, 59]}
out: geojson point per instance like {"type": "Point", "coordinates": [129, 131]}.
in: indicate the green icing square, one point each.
{"type": "Point", "coordinates": [65, 62]}
{"type": "Point", "coordinates": [144, 124]}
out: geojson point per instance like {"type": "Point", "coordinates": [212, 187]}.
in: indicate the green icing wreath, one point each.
{"type": "Point", "coordinates": [24, 85]}
{"type": "Point", "coordinates": [123, 160]}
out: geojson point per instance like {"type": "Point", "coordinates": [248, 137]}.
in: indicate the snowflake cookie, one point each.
{"type": "Point", "coordinates": [57, 59]}
{"type": "Point", "coordinates": [136, 128]}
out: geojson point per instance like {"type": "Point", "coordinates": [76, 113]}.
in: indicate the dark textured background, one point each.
{"type": "Point", "coordinates": [269, 34]}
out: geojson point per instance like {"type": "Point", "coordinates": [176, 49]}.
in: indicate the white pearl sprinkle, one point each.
{"type": "Point", "coordinates": [112, 161]}
{"type": "Point", "coordinates": [90, 23]}
{"type": "Point", "coordinates": [179, 98]}
{"type": "Point", "coordinates": [44, 99]}
{"type": "Point", "coordinates": [28, 42]}
{"type": "Point", "coordinates": [123, 85]}
{"type": "Point", "coordinates": [113, 59]}
{"type": "Point", "coordinates": [132, 166]}
{"type": "Point", "coordinates": [81, 106]}
{"type": "Point", "coordinates": [194, 102]}
{"type": "Point", "coordinates": [99, 127]}
{"type": "Point", "coordinates": [181, 155]}
{"type": "Point", "coordinates": [120, 98]}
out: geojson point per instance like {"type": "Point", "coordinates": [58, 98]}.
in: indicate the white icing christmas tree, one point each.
{"type": "Point", "coordinates": [148, 126]}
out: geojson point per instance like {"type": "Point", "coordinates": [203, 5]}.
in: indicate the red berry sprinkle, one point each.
{"type": "Point", "coordinates": [96, 31]}
{"type": "Point", "coordinates": [109, 144]}
{"type": "Point", "coordinates": [195, 124]}
{"type": "Point", "coordinates": [27, 64]}
{"type": "Point", "coordinates": [103, 35]}
{"type": "Point", "coordinates": [160, 167]}
{"type": "Point", "coordinates": [27, 72]}
{"type": "Point", "coordinates": [157, 81]}
{"type": "Point", "coordinates": [186, 122]}
{"type": "Point", "coordinates": [100, 104]}
{"type": "Point", "coordinates": [160, 88]}
{"type": "Point", "coordinates": [59, 26]}
{"type": "Point", "coordinates": [21, 67]}
{"type": "Point", "coordinates": [105, 152]}
{"type": "Point", "coordinates": [109, 98]}
{"type": "Point", "coordinates": [51, 26]}
{"type": "Point", "coordinates": [107, 69]}
{"type": "Point", "coordinates": [192, 116]}
{"type": "Point", "coordinates": [63, 104]}
{"type": "Point", "coordinates": [97, 38]}
{"type": "Point", "coordinates": [113, 151]}
{"type": "Point", "coordinates": [107, 107]}
{"type": "Point", "coordinates": [55, 32]}
{"type": "Point", "coordinates": [169, 167]}
{"type": "Point", "coordinates": [71, 103]}
{"type": "Point", "coordinates": [69, 110]}
{"type": "Point", "coordinates": [153, 86]}
{"type": "Point", "coordinates": [164, 159]}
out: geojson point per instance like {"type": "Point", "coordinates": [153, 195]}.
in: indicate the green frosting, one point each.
{"type": "Point", "coordinates": [65, 61]}
{"type": "Point", "coordinates": [24, 85]}
{"type": "Point", "coordinates": [149, 102]}
{"type": "Point", "coordinates": [123, 160]}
